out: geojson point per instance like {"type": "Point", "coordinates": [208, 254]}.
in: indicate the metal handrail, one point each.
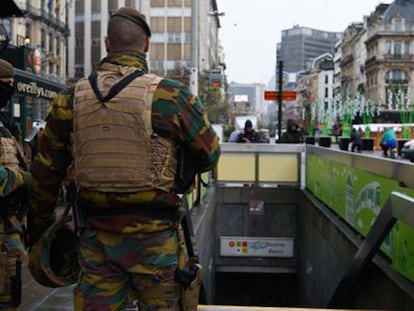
{"type": "Point", "coordinates": [398, 207]}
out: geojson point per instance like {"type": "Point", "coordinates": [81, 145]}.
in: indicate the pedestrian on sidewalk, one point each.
{"type": "Point", "coordinates": [249, 134]}
{"type": "Point", "coordinates": [356, 141]}
{"type": "Point", "coordinates": [388, 141]}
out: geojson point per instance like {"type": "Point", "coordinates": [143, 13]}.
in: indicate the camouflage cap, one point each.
{"type": "Point", "coordinates": [6, 69]}
{"type": "Point", "coordinates": [134, 16]}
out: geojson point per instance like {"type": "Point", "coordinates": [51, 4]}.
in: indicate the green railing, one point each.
{"type": "Point", "coordinates": [356, 187]}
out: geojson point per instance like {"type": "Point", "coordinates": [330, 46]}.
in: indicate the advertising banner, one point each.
{"type": "Point", "coordinates": [358, 196]}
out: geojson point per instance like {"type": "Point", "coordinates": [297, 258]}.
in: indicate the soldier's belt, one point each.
{"type": "Point", "coordinates": [145, 210]}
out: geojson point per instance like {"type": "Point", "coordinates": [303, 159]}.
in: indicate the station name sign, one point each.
{"type": "Point", "coordinates": [256, 247]}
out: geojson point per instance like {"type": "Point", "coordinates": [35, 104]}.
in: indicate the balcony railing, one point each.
{"type": "Point", "coordinates": [398, 57]}
{"type": "Point", "coordinates": [370, 61]}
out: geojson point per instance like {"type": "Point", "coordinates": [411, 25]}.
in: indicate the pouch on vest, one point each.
{"type": "Point", "coordinates": [186, 170]}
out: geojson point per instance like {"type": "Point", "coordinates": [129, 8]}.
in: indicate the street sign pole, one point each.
{"type": "Point", "coordinates": [280, 96]}
{"type": "Point", "coordinates": [280, 100]}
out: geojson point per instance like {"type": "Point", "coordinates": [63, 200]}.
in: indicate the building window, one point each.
{"type": "Point", "coordinates": [157, 65]}
{"type": "Point", "coordinates": [96, 42]}
{"type": "Point", "coordinates": [396, 76]}
{"type": "Point", "coordinates": [79, 42]}
{"type": "Point", "coordinates": [174, 37]}
{"type": "Point", "coordinates": [157, 3]}
{"type": "Point", "coordinates": [396, 89]}
{"type": "Point", "coordinates": [112, 5]}
{"type": "Point", "coordinates": [158, 37]}
{"type": "Point", "coordinates": [187, 37]}
{"type": "Point", "coordinates": [28, 30]}
{"type": "Point", "coordinates": [79, 72]}
{"type": "Point", "coordinates": [51, 41]}
{"type": "Point", "coordinates": [396, 48]}
{"type": "Point", "coordinates": [96, 6]}
{"type": "Point", "coordinates": [79, 7]}
{"type": "Point", "coordinates": [398, 24]}
{"type": "Point", "coordinates": [326, 79]}
{"type": "Point", "coordinates": [171, 12]}
{"type": "Point", "coordinates": [7, 25]}
{"type": "Point", "coordinates": [130, 3]}
{"type": "Point", "coordinates": [43, 39]}
{"type": "Point", "coordinates": [174, 3]}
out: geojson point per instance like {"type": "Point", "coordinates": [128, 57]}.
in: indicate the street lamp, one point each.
{"type": "Point", "coordinates": [26, 41]}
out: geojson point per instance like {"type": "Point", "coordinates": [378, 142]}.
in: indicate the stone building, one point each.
{"type": "Point", "coordinates": [390, 56]}
{"type": "Point", "coordinates": [171, 42]}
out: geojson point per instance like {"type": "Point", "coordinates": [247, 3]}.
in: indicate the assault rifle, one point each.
{"type": "Point", "coordinates": [185, 277]}
{"type": "Point", "coordinates": [186, 172]}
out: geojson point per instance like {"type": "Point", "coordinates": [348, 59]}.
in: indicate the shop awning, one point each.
{"type": "Point", "coordinates": [10, 9]}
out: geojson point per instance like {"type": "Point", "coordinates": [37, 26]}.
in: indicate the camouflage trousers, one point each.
{"type": "Point", "coordinates": [138, 263]}
{"type": "Point", "coordinates": [12, 253]}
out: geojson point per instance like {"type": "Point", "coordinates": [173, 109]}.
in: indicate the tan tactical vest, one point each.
{"type": "Point", "coordinates": [115, 148]}
{"type": "Point", "coordinates": [8, 149]}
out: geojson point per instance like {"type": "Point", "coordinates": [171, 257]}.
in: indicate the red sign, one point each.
{"type": "Point", "coordinates": [274, 95]}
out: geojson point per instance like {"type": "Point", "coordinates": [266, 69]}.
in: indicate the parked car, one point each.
{"type": "Point", "coordinates": [407, 151]}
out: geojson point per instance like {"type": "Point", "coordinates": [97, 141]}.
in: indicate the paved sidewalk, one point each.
{"type": "Point", "coordinates": [38, 297]}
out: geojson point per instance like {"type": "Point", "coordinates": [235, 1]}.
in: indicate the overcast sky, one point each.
{"type": "Point", "coordinates": [251, 29]}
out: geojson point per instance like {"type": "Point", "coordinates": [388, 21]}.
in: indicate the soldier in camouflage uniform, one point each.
{"type": "Point", "coordinates": [14, 181]}
{"type": "Point", "coordinates": [124, 150]}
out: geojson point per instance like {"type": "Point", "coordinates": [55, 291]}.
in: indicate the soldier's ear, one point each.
{"type": "Point", "coordinates": [147, 44]}
{"type": "Point", "coordinates": [107, 44]}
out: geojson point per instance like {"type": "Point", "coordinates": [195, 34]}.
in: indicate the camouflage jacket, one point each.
{"type": "Point", "coordinates": [10, 180]}
{"type": "Point", "coordinates": [176, 113]}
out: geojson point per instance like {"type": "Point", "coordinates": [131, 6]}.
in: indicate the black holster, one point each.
{"type": "Point", "coordinates": [79, 217]}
